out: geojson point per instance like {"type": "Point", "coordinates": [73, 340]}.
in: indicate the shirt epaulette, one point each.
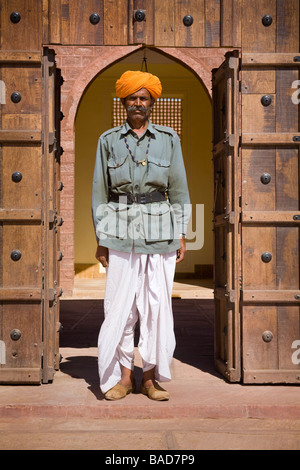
{"type": "Point", "coordinates": [167, 130]}
{"type": "Point", "coordinates": [110, 131]}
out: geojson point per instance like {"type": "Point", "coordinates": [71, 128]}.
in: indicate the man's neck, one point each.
{"type": "Point", "coordinates": [138, 126]}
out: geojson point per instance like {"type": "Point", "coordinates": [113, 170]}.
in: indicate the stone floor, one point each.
{"type": "Point", "coordinates": [204, 411]}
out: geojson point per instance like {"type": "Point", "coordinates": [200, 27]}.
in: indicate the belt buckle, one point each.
{"type": "Point", "coordinates": [143, 199]}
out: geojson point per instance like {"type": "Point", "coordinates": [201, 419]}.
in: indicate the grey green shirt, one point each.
{"type": "Point", "coordinates": [144, 228]}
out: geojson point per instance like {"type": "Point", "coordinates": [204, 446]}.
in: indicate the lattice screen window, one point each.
{"type": "Point", "coordinates": [166, 112]}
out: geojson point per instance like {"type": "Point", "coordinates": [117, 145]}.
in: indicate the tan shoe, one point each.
{"type": "Point", "coordinates": [155, 392]}
{"type": "Point", "coordinates": [118, 392]}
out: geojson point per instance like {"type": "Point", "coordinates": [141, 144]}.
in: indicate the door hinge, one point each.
{"type": "Point", "coordinates": [230, 217]}
{"type": "Point", "coordinates": [55, 293]}
{"type": "Point", "coordinates": [234, 140]}
{"type": "Point", "coordinates": [231, 296]}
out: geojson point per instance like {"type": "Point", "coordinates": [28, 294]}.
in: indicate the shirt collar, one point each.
{"type": "Point", "coordinates": [126, 129]}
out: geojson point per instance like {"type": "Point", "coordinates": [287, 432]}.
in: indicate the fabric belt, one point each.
{"type": "Point", "coordinates": [139, 198]}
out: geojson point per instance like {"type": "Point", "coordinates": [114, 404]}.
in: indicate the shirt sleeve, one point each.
{"type": "Point", "coordinates": [100, 183]}
{"type": "Point", "coordinates": [178, 191]}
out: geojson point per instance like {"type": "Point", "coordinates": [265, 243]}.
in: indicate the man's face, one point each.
{"type": "Point", "coordinates": [139, 104]}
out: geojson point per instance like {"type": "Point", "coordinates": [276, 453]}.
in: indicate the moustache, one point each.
{"type": "Point", "coordinates": [138, 108]}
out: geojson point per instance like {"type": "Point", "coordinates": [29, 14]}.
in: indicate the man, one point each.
{"type": "Point", "coordinates": [140, 208]}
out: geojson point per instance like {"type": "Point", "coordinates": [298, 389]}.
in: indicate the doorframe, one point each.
{"type": "Point", "coordinates": [92, 60]}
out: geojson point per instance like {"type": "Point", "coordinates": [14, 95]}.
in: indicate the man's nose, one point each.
{"type": "Point", "coordinates": [138, 102]}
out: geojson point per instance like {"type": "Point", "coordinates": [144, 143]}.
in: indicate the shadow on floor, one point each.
{"type": "Point", "coordinates": [81, 320]}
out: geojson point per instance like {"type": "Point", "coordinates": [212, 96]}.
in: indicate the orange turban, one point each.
{"type": "Point", "coordinates": [132, 81]}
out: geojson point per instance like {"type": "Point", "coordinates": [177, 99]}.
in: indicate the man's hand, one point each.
{"type": "Point", "coordinates": [182, 250]}
{"type": "Point", "coordinates": [102, 255]}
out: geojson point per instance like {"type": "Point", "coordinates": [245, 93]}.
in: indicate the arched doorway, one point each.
{"type": "Point", "coordinates": [95, 114]}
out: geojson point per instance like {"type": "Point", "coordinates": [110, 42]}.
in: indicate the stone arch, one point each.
{"type": "Point", "coordinates": [200, 61]}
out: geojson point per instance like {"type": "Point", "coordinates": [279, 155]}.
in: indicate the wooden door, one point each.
{"type": "Point", "coordinates": [257, 217]}
{"type": "Point", "coordinates": [28, 219]}
{"type": "Point", "coordinates": [52, 221]}
{"type": "Point", "coordinates": [226, 157]}
{"type": "Point", "coordinates": [270, 218]}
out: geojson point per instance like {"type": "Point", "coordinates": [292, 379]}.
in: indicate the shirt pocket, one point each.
{"type": "Point", "coordinates": [158, 222]}
{"type": "Point", "coordinates": [114, 222]}
{"type": "Point", "coordinates": [119, 171]}
{"type": "Point", "coordinates": [158, 172]}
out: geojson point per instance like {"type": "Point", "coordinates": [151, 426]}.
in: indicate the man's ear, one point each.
{"type": "Point", "coordinates": [123, 101]}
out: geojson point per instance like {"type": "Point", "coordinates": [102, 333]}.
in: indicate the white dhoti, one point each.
{"type": "Point", "coordinates": [138, 286]}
